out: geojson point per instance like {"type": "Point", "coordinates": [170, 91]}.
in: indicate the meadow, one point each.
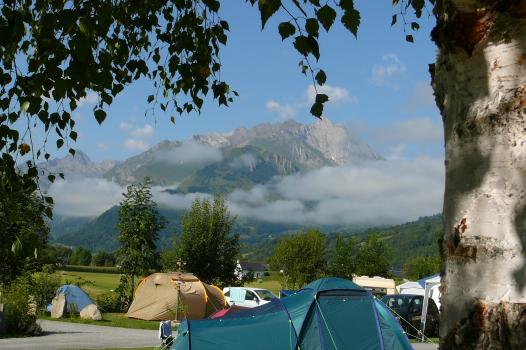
{"type": "Point", "coordinates": [95, 283]}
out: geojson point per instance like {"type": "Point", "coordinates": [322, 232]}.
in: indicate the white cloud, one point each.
{"type": "Point", "coordinates": [91, 98]}
{"type": "Point", "coordinates": [416, 130]}
{"type": "Point", "coordinates": [175, 200]}
{"type": "Point", "coordinates": [125, 126]}
{"type": "Point", "coordinates": [191, 152]}
{"type": "Point", "coordinates": [397, 152]}
{"type": "Point", "coordinates": [391, 68]}
{"type": "Point", "coordinates": [284, 111]}
{"type": "Point", "coordinates": [256, 195]}
{"type": "Point", "coordinates": [374, 193]}
{"type": "Point", "coordinates": [135, 145]}
{"type": "Point", "coordinates": [246, 160]}
{"type": "Point", "coordinates": [102, 146]}
{"type": "Point", "coordinates": [87, 197]}
{"type": "Point", "coordinates": [337, 94]}
{"type": "Point", "coordinates": [146, 131]}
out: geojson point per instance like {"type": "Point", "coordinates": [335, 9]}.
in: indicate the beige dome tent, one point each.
{"type": "Point", "coordinates": [174, 296]}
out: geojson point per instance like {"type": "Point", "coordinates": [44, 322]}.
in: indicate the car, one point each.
{"type": "Point", "coordinates": [247, 297]}
{"type": "Point", "coordinates": [407, 308]}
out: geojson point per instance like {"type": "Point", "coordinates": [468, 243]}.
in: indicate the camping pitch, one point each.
{"type": "Point", "coordinates": [330, 314]}
{"type": "Point", "coordinates": [170, 296]}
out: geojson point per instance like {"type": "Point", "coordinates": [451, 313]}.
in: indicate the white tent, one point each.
{"type": "Point", "coordinates": [431, 290]}
{"type": "Point", "coordinates": [410, 287]}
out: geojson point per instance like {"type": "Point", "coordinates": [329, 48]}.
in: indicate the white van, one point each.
{"type": "Point", "coordinates": [247, 297]}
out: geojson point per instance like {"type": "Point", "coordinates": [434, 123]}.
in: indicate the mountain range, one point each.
{"type": "Point", "coordinates": [215, 164]}
{"type": "Point", "coordinates": [220, 163]}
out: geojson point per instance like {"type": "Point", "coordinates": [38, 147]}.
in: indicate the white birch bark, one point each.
{"type": "Point", "coordinates": [480, 86]}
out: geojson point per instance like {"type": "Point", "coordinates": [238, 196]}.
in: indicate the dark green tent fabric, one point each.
{"type": "Point", "coordinates": [328, 314]}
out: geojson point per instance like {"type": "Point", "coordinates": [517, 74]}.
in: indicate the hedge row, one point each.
{"type": "Point", "coordinates": [99, 269]}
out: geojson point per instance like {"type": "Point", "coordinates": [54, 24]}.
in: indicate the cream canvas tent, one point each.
{"type": "Point", "coordinates": [174, 296]}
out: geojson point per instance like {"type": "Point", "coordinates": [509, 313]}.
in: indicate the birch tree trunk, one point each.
{"type": "Point", "coordinates": [480, 87]}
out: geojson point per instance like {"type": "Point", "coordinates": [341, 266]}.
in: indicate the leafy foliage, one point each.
{"type": "Point", "coordinates": [102, 258]}
{"type": "Point", "coordinates": [23, 232]}
{"type": "Point", "coordinates": [43, 288]}
{"type": "Point", "coordinates": [421, 266]}
{"type": "Point", "coordinates": [139, 226]}
{"type": "Point", "coordinates": [206, 247]}
{"type": "Point", "coordinates": [56, 254]}
{"type": "Point", "coordinates": [80, 256]}
{"type": "Point", "coordinates": [374, 257]}
{"type": "Point", "coordinates": [19, 315]}
{"type": "Point", "coordinates": [109, 302]}
{"type": "Point", "coordinates": [301, 257]}
{"type": "Point", "coordinates": [343, 263]}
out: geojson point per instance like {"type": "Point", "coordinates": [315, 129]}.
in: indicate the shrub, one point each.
{"type": "Point", "coordinates": [109, 302]}
{"type": "Point", "coordinates": [19, 312]}
{"type": "Point", "coordinates": [43, 288]}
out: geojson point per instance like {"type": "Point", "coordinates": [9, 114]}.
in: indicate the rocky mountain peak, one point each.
{"type": "Point", "coordinates": [79, 164]}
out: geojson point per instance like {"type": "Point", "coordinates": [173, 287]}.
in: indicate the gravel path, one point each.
{"type": "Point", "coordinates": [425, 346]}
{"type": "Point", "coordinates": [66, 335]}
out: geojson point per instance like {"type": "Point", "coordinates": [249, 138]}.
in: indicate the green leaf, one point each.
{"type": "Point", "coordinates": [60, 143]}
{"type": "Point", "coordinates": [321, 98]}
{"type": "Point", "coordinates": [100, 115]}
{"type": "Point", "coordinates": [212, 4]}
{"type": "Point", "coordinates": [286, 29]}
{"type": "Point", "coordinates": [312, 27]}
{"type": "Point", "coordinates": [16, 247]}
{"type": "Point", "coordinates": [150, 98]}
{"type": "Point", "coordinates": [321, 77]}
{"type": "Point", "coordinates": [347, 5]}
{"type": "Point", "coordinates": [326, 15]}
{"type": "Point", "coordinates": [267, 8]}
{"type": "Point", "coordinates": [51, 179]}
{"type": "Point", "coordinates": [73, 135]}
{"type": "Point", "coordinates": [317, 110]}
{"type": "Point", "coordinates": [351, 21]}
{"type": "Point", "coordinates": [415, 26]}
{"type": "Point", "coordinates": [306, 45]}
{"type": "Point", "coordinates": [409, 38]}
{"type": "Point", "coordinates": [25, 106]}
{"type": "Point", "coordinates": [302, 44]}
{"type": "Point", "coordinates": [393, 20]}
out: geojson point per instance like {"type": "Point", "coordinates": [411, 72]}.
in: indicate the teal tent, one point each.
{"type": "Point", "coordinates": [328, 314]}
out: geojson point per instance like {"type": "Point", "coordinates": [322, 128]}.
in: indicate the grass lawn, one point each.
{"type": "Point", "coordinates": [110, 320]}
{"type": "Point", "coordinates": [432, 340]}
{"type": "Point", "coordinates": [122, 349]}
{"type": "Point", "coordinates": [94, 283]}
{"type": "Point", "coordinates": [271, 283]}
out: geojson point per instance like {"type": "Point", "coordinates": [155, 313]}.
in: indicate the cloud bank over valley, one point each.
{"type": "Point", "coordinates": [375, 192]}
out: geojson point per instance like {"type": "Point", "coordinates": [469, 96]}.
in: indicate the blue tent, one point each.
{"type": "Point", "coordinates": [76, 298]}
{"type": "Point", "coordinates": [328, 314]}
{"type": "Point", "coordinates": [286, 292]}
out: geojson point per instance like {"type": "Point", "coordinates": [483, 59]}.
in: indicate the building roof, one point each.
{"type": "Point", "coordinates": [252, 266]}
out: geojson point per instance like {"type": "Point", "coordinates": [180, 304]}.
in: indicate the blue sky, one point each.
{"type": "Point", "coordinates": [379, 86]}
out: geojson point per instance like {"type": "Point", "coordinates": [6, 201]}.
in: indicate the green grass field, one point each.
{"type": "Point", "coordinates": [272, 283]}
{"type": "Point", "coordinates": [110, 320]}
{"type": "Point", "coordinates": [94, 283]}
